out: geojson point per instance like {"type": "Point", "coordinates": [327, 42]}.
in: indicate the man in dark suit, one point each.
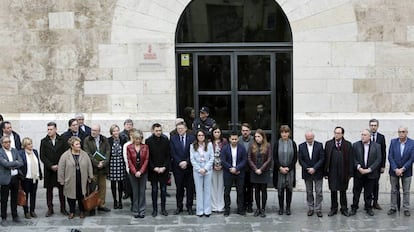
{"type": "Point", "coordinates": [312, 158]}
{"type": "Point", "coordinates": [81, 121]}
{"type": "Point", "coordinates": [10, 162]}
{"type": "Point", "coordinates": [338, 169]}
{"type": "Point", "coordinates": [181, 167]}
{"type": "Point", "coordinates": [233, 159]}
{"type": "Point", "coordinates": [380, 139]}
{"type": "Point", "coordinates": [73, 131]}
{"type": "Point", "coordinates": [367, 161]}
{"type": "Point", "coordinates": [6, 130]}
{"type": "Point", "coordinates": [400, 156]}
{"type": "Point", "coordinates": [51, 149]}
{"type": "Point", "coordinates": [159, 165]}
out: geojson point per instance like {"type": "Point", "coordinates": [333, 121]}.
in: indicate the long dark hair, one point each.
{"type": "Point", "coordinates": [195, 143]}
{"type": "Point", "coordinates": [216, 127]}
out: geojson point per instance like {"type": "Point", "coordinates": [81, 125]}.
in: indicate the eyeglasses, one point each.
{"type": "Point", "coordinates": [6, 141]}
{"type": "Point", "coordinates": [402, 131]}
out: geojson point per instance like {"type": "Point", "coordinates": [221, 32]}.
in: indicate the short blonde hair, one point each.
{"type": "Point", "coordinates": [73, 139]}
{"type": "Point", "coordinates": [112, 128]}
{"type": "Point", "coordinates": [26, 141]}
{"type": "Point", "coordinates": [137, 135]}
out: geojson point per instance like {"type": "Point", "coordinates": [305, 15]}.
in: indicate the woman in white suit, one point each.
{"type": "Point", "coordinates": [202, 157]}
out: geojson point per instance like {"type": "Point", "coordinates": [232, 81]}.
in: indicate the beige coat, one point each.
{"type": "Point", "coordinates": [67, 172]}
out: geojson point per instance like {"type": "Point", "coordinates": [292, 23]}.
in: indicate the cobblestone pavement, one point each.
{"type": "Point", "coordinates": [121, 219]}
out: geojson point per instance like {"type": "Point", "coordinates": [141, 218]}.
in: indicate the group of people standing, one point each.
{"type": "Point", "coordinates": [204, 164]}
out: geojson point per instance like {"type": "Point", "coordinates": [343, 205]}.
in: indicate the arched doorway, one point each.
{"type": "Point", "coordinates": [236, 58]}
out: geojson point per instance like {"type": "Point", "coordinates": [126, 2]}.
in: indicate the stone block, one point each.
{"type": "Point", "coordinates": [364, 86]}
{"type": "Point", "coordinates": [124, 74]}
{"type": "Point", "coordinates": [402, 102]}
{"type": "Point", "coordinates": [9, 88]}
{"type": "Point", "coordinates": [61, 20]}
{"type": "Point", "coordinates": [353, 54]}
{"type": "Point", "coordinates": [155, 103]}
{"type": "Point", "coordinates": [312, 54]}
{"type": "Point", "coordinates": [310, 86]}
{"type": "Point", "coordinates": [309, 103]}
{"type": "Point", "coordinates": [92, 104]}
{"type": "Point", "coordinates": [124, 103]}
{"type": "Point", "coordinates": [113, 56]}
{"type": "Point", "coordinates": [113, 87]}
{"type": "Point", "coordinates": [410, 33]}
{"type": "Point", "coordinates": [394, 55]}
{"type": "Point", "coordinates": [374, 103]}
{"type": "Point", "coordinates": [343, 103]}
{"type": "Point", "coordinates": [65, 56]}
{"type": "Point", "coordinates": [341, 32]}
{"type": "Point", "coordinates": [305, 19]}
{"type": "Point", "coordinates": [339, 86]}
{"type": "Point", "coordinates": [159, 87]}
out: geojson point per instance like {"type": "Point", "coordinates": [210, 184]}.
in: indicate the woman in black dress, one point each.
{"type": "Point", "coordinates": [260, 159]}
{"type": "Point", "coordinates": [117, 170]}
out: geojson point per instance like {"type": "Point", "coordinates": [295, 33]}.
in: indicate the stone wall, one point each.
{"type": "Point", "coordinates": [353, 60]}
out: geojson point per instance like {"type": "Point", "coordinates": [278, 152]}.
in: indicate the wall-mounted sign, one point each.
{"type": "Point", "coordinates": [185, 59]}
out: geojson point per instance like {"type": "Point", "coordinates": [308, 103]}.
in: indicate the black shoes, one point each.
{"type": "Point", "coordinates": [154, 213]}
{"type": "Point", "coordinates": [178, 211]}
{"type": "Point", "coordinates": [164, 212]}
{"type": "Point", "coordinates": [310, 213]}
{"type": "Point", "coordinates": [407, 213]}
{"type": "Point", "coordinates": [376, 206]}
{"type": "Point", "coordinates": [17, 219]}
{"type": "Point", "coordinates": [257, 213]}
{"type": "Point", "coordinates": [288, 211]}
{"type": "Point", "coordinates": [190, 211]}
{"type": "Point", "coordinates": [353, 212]}
{"type": "Point", "coordinates": [319, 214]}
{"type": "Point", "coordinates": [391, 211]}
{"type": "Point", "coordinates": [249, 209]}
{"type": "Point", "coordinates": [332, 212]}
{"type": "Point", "coordinates": [104, 209]}
{"type": "Point", "coordinates": [262, 213]}
{"type": "Point", "coordinates": [226, 213]}
{"type": "Point", "coordinates": [345, 213]}
{"type": "Point", "coordinates": [370, 212]}
{"type": "Point", "coordinates": [49, 213]}
{"type": "Point", "coordinates": [280, 211]}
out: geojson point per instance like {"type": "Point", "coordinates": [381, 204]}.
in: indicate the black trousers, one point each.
{"type": "Point", "coordinates": [228, 183]}
{"type": "Point", "coordinates": [248, 190]}
{"type": "Point", "coordinates": [376, 190]}
{"type": "Point", "coordinates": [30, 189]}
{"type": "Point", "coordinates": [184, 180]}
{"type": "Point", "coordinates": [13, 189]}
{"type": "Point", "coordinates": [154, 193]}
{"type": "Point", "coordinates": [343, 200]}
{"type": "Point", "coordinates": [49, 197]}
{"type": "Point", "coordinates": [363, 183]}
{"type": "Point", "coordinates": [72, 205]}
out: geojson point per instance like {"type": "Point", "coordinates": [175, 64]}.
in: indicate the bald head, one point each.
{"type": "Point", "coordinates": [309, 136]}
{"type": "Point", "coordinates": [95, 130]}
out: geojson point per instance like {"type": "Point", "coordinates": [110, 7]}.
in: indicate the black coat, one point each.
{"type": "Point", "coordinates": [50, 156]}
{"type": "Point", "coordinates": [159, 156]}
{"type": "Point", "coordinates": [317, 162]}
{"type": "Point", "coordinates": [373, 162]}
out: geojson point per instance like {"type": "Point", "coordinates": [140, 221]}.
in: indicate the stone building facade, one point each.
{"type": "Point", "coordinates": [352, 60]}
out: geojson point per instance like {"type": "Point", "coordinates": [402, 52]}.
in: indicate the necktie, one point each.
{"type": "Point", "coordinates": [338, 145]}
{"type": "Point", "coordinates": [33, 167]}
{"type": "Point", "coordinates": [182, 142]}
{"type": "Point", "coordinates": [373, 138]}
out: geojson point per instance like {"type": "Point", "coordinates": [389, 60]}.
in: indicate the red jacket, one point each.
{"type": "Point", "coordinates": [132, 157]}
